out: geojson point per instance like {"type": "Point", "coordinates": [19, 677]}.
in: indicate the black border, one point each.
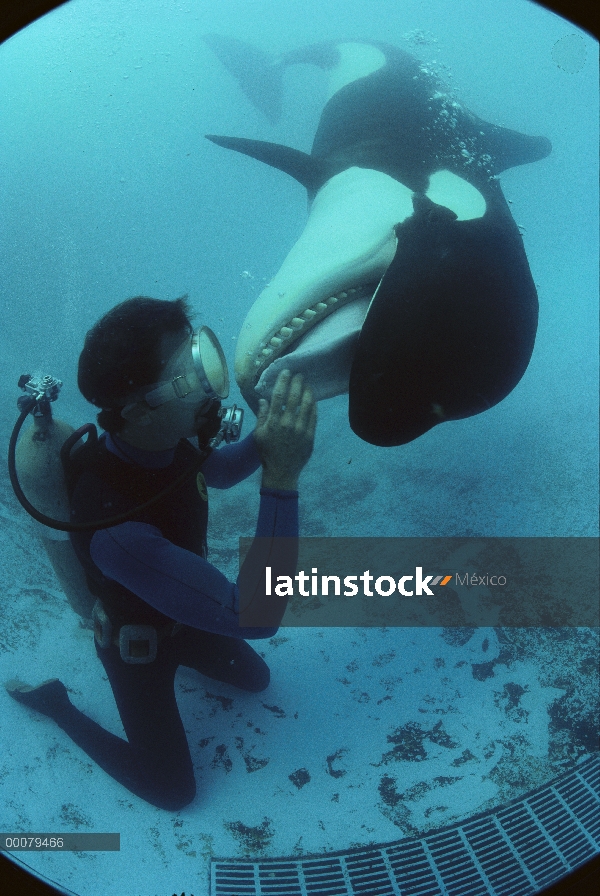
{"type": "Point", "coordinates": [17, 881]}
{"type": "Point", "coordinates": [17, 14]}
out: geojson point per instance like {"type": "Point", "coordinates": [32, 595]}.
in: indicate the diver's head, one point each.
{"type": "Point", "coordinates": [156, 380]}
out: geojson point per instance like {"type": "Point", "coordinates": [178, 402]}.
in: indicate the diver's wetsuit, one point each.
{"type": "Point", "coordinates": [153, 571]}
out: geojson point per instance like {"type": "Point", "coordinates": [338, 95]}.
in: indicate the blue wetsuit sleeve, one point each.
{"type": "Point", "coordinates": [185, 586]}
{"type": "Point", "coordinates": [229, 464]}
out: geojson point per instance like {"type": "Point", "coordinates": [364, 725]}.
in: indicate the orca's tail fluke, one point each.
{"type": "Point", "coordinates": [259, 76]}
{"type": "Point", "coordinates": [307, 170]}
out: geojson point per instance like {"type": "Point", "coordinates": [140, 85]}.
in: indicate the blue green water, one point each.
{"type": "Point", "coordinates": [108, 189]}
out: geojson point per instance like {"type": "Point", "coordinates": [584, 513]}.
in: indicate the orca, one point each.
{"type": "Point", "coordinates": [409, 287]}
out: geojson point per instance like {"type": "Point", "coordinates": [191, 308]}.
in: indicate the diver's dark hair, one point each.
{"type": "Point", "coordinates": [121, 353]}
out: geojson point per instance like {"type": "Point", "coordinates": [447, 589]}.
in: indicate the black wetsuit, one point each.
{"type": "Point", "coordinates": [154, 763]}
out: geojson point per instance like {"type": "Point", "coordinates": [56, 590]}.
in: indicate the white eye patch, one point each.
{"type": "Point", "coordinates": [356, 61]}
{"type": "Point", "coordinates": [461, 197]}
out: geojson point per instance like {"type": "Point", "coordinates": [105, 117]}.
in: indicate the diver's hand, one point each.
{"type": "Point", "coordinates": [285, 431]}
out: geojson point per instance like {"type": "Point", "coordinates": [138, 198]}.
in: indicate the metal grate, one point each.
{"type": "Point", "coordinates": [513, 851]}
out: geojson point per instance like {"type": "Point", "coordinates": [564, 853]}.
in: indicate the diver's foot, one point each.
{"type": "Point", "coordinates": [49, 697]}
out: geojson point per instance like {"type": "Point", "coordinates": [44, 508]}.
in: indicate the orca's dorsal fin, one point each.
{"type": "Point", "coordinates": [307, 170]}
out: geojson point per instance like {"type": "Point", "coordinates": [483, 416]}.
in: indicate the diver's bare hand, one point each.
{"type": "Point", "coordinates": [285, 431]}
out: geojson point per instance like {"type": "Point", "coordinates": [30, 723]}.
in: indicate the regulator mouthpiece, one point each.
{"type": "Point", "coordinates": [231, 426]}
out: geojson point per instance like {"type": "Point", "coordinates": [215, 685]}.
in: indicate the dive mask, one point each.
{"type": "Point", "coordinates": [202, 379]}
{"type": "Point", "coordinates": [203, 367]}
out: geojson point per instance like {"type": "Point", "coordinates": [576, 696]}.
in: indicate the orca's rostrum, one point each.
{"type": "Point", "coordinates": [409, 287]}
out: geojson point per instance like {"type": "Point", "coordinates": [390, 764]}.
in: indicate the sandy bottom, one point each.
{"type": "Point", "coordinates": [363, 736]}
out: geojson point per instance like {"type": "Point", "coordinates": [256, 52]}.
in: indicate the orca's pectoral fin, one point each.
{"type": "Point", "coordinates": [259, 76]}
{"type": "Point", "coordinates": [308, 171]}
{"type": "Point", "coordinates": [510, 148]}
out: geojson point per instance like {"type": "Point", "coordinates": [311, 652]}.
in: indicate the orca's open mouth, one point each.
{"type": "Point", "coordinates": [319, 343]}
{"type": "Point", "coordinates": [309, 317]}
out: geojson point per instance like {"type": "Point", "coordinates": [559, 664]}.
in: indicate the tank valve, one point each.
{"type": "Point", "coordinates": [43, 389]}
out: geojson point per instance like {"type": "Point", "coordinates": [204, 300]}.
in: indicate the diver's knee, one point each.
{"type": "Point", "coordinates": [177, 799]}
{"type": "Point", "coordinates": [260, 680]}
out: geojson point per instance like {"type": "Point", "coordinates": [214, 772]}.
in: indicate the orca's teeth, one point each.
{"type": "Point", "coordinates": [298, 325]}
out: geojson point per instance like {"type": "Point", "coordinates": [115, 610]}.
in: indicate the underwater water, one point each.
{"type": "Point", "coordinates": [108, 189]}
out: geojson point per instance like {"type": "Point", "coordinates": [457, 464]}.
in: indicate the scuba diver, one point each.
{"type": "Point", "coordinates": [160, 603]}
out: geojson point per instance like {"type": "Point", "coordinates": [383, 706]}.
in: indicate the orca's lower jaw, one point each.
{"type": "Point", "coordinates": [309, 317]}
{"type": "Point", "coordinates": [318, 343]}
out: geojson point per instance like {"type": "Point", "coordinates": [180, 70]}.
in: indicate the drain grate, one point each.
{"type": "Point", "coordinates": [513, 851]}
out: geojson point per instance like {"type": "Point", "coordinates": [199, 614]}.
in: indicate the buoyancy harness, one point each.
{"type": "Point", "coordinates": [50, 457]}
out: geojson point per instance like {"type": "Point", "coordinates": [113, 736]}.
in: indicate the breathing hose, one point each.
{"type": "Point", "coordinates": [27, 406]}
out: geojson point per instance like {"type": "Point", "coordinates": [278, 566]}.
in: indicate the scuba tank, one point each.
{"type": "Point", "coordinates": [47, 474]}
{"type": "Point", "coordinates": [41, 475]}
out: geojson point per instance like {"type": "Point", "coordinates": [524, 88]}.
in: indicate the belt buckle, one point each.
{"type": "Point", "coordinates": [138, 643]}
{"type": "Point", "coordinates": [102, 626]}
